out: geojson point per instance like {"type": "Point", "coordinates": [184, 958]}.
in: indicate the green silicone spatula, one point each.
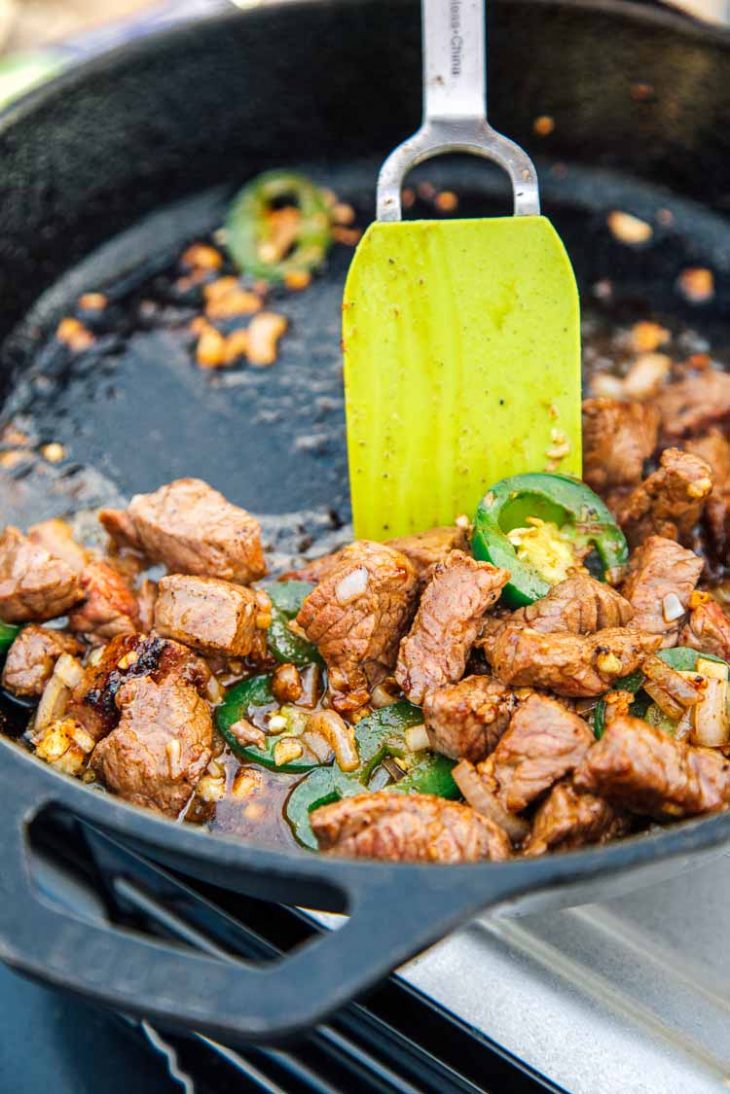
{"type": "Point", "coordinates": [461, 337]}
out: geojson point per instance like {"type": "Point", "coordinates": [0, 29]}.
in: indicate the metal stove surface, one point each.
{"type": "Point", "coordinates": [630, 996]}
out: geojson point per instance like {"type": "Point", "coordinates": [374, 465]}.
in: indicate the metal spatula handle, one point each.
{"type": "Point", "coordinates": [454, 108]}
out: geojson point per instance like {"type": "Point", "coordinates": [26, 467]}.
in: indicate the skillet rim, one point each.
{"type": "Point", "coordinates": [125, 819]}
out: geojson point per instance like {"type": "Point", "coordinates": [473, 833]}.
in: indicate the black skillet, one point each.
{"type": "Point", "coordinates": [641, 99]}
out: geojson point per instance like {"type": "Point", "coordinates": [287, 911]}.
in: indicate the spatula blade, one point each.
{"type": "Point", "coordinates": [462, 365]}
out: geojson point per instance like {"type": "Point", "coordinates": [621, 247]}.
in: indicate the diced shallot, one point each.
{"type": "Point", "coordinates": [352, 585]}
{"type": "Point", "coordinates": [340, 736]}
{"type": "Point", "coordinates": [481, 798]}
{"type": "Point", "coordinates": [417, 738]}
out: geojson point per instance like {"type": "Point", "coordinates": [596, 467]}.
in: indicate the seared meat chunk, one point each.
{"type": "Point", "coordinates": [408, 828]}
{"type": "Point", "coordinates": [640, 767]}
{"type": "Point", "coordinates": [425, 549]}
{"type": "Point", "coordinates": [110, 608]}
{"type": "Point", "coordinates": [207, 614]}
{"type": "Point", "coordinates": [57, 538]}
{"type": "Point", "coordinates": [32, 658]}
{"type": "Point", "coordinates": [661, 578]}
{"type": "Point", "coordinates": [714, 449]}
{"type": "Point", "coordinates": [707, 629]}
{"type": "Point", "coordinates": [617, 438]}
{"type": "Point", "coordinates": [570, 818]}
{"type": "Point", "coordinates": [93, 702]}
{"type": "Point", "coordinates": [467, 719]}
{"type": "Point", "coordinates": [33, 584]}
{"type": "Point", "coordinates": [192, 529]}
{"type": "Point", "coordinates": [356, 617]}
{"type": "Point", "coordinates": [568, 664]}
{"type": "Point", "coordinates": [161, 746]}
{"type": "Point", "coordinates": [578, 605]}
{"type": "Point", "coordinates": [694, 403]}
{"type": "Point", "coordinates": [544, 742]}
{"type": "Point", "coordinates": [669, 503]}
{"type": "Point", "coordinates": [447, 623]}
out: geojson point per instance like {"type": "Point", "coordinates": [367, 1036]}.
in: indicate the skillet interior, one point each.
{"type": "Point", "coordinates": [79, 187]}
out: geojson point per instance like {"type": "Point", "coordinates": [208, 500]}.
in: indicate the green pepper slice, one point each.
{"type": "Point", "coordinates": [242, 701]}
{"type": "Point", "coordinates": [8, 633]}
{"type": "Point", "coordinates": [246, 225]}
{"type": "Point", "coordinates": [283, 645]}
{"type": "Point", "coordinates": [580, 516]}
{"type": "Point", "coordinates": [680, 658]}
{"type": "Point", "coordinates": [379, 735]}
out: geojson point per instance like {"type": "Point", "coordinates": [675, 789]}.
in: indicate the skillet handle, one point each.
{"type": "Point", "coordinates": [394, 912]}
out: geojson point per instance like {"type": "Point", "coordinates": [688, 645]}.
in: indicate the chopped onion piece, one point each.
{"type": "Point", "coordinates": [340, 736]}
{"type": "Point", "coordinates": [352, 585]}
{"type": "Point", "coordinates": [672, 608]}
{"type": "Point", "coordinates": [481, 798]}
{"type": "Point", "coordinates": [417, 738]}
{"type": "Point", "coordinates": [710, 725]}
{"type": "Point", "coordinates": [714, 670]}
{"type": "Point", "coordinates": [318, 746]}
{"type": "Point", "coordinates": [69, 670]}
{"type": "Point", "coordinates": [52, 706]}
{"type": "Point", "coordinates": [673, 691]}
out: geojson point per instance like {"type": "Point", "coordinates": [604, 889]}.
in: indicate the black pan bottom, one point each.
{"type": "Point", "coordinates": [137, 412]}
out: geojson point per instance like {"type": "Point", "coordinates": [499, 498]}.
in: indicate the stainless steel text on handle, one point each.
{"type": "Point", "coordinates": [454, 108]}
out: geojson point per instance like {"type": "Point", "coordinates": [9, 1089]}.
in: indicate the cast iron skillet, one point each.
{"type": "Point", "coordinates": [335, 84]}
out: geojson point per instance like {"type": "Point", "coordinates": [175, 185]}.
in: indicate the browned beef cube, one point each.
{"type": "Point", "coordinates": [570, 818]}
{"type": "Point", "coordinates": [449, 618]}
{"type": "Point", "coordinates": [467, 719]}
{"type": "Point", "coordinates": [694, 403]}
{"type": "Point", "coordinates": [707, 629]}
{"type": "Point", "coordinates": [425, 549]}
{"type": "Point", "coordinates": [356, 617]}
{"type": "Point", "coordinates": [617, 438]}
{"type": "Point", "coordinates": [408, 828]}
{"type": "Point", "coordinates": [207, 614]}
{"type": "Point", "coordinates": [33, 584]}
{"type": "Point", "coordinates": [544, 742]}
{"type": "Point", "coordinates": [661, 578]}
{"type": "Point", "coordinates": [57, 538]}
{"type": "Point", "coordinates": [192, 529]}
{"type": "Point", "coordinates": [32, 657]}
{"type": "Point", "coordinates": [578, 605]}
{"type": "Point", "coordinates": [110, 607]}
{"type": "Point", "coordinates": [573, 665]}
{"type": "Point", "coordinates": [93, 702]}
{"type": "Point", "coordinates": [645, 770]}
{"type": "Point", "coordinates": [669, 503]}
{"type": "Point", "coordinates": [161, 745]}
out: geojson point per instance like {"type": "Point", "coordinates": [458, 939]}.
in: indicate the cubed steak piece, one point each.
{"type": "Point", "coordinates": [408, 828]}
{"type": "Point", "coordinates": [544, 742]}
{"type": "Point", "coordinates": [425, 549]}
{"type": "Point", "coordinates": [110, 607]}
{"type": "Point", "coordinates": [618, 437]}
{"type": "Point", "coordinates": [714, 449]}
{"type": "Point", "coordinates": [357, 616]}
{"type": "Point", "coordinates": [33, 584]}
{"type": "Point", "coordinates": [660, 581]}
{"type": "Point", "coordinates": [570, 818]}
{"type": "Point", "coordinates": [57, 538]}
{"type": "Point", "coordinates": [192, 529]}
{"type": "Point", "coordinates": [161, 745]}
{"type": "Point", "coordinates": [645, 770]}
{"type": "Point", "coordinates": [205, 613]}
{"type": "Point", "coordinates": [449, 618]}
{"type": "Point", "coordinates": [578, 605]}
{"type": "Point", "coordinates": [693, 404]}
{"type": "Point", "coordinates": [707, 629]}
{"type": "Point", "coordinates": [574, 665]}
{"type": "Point", "coordinates": [93, 701]}
{"type": "Point", "coordinates": [670, 501]}
{"type": "Point", "coordinates": [32, 657]}
{"type": "Point", "coordinates": [467, 719]}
